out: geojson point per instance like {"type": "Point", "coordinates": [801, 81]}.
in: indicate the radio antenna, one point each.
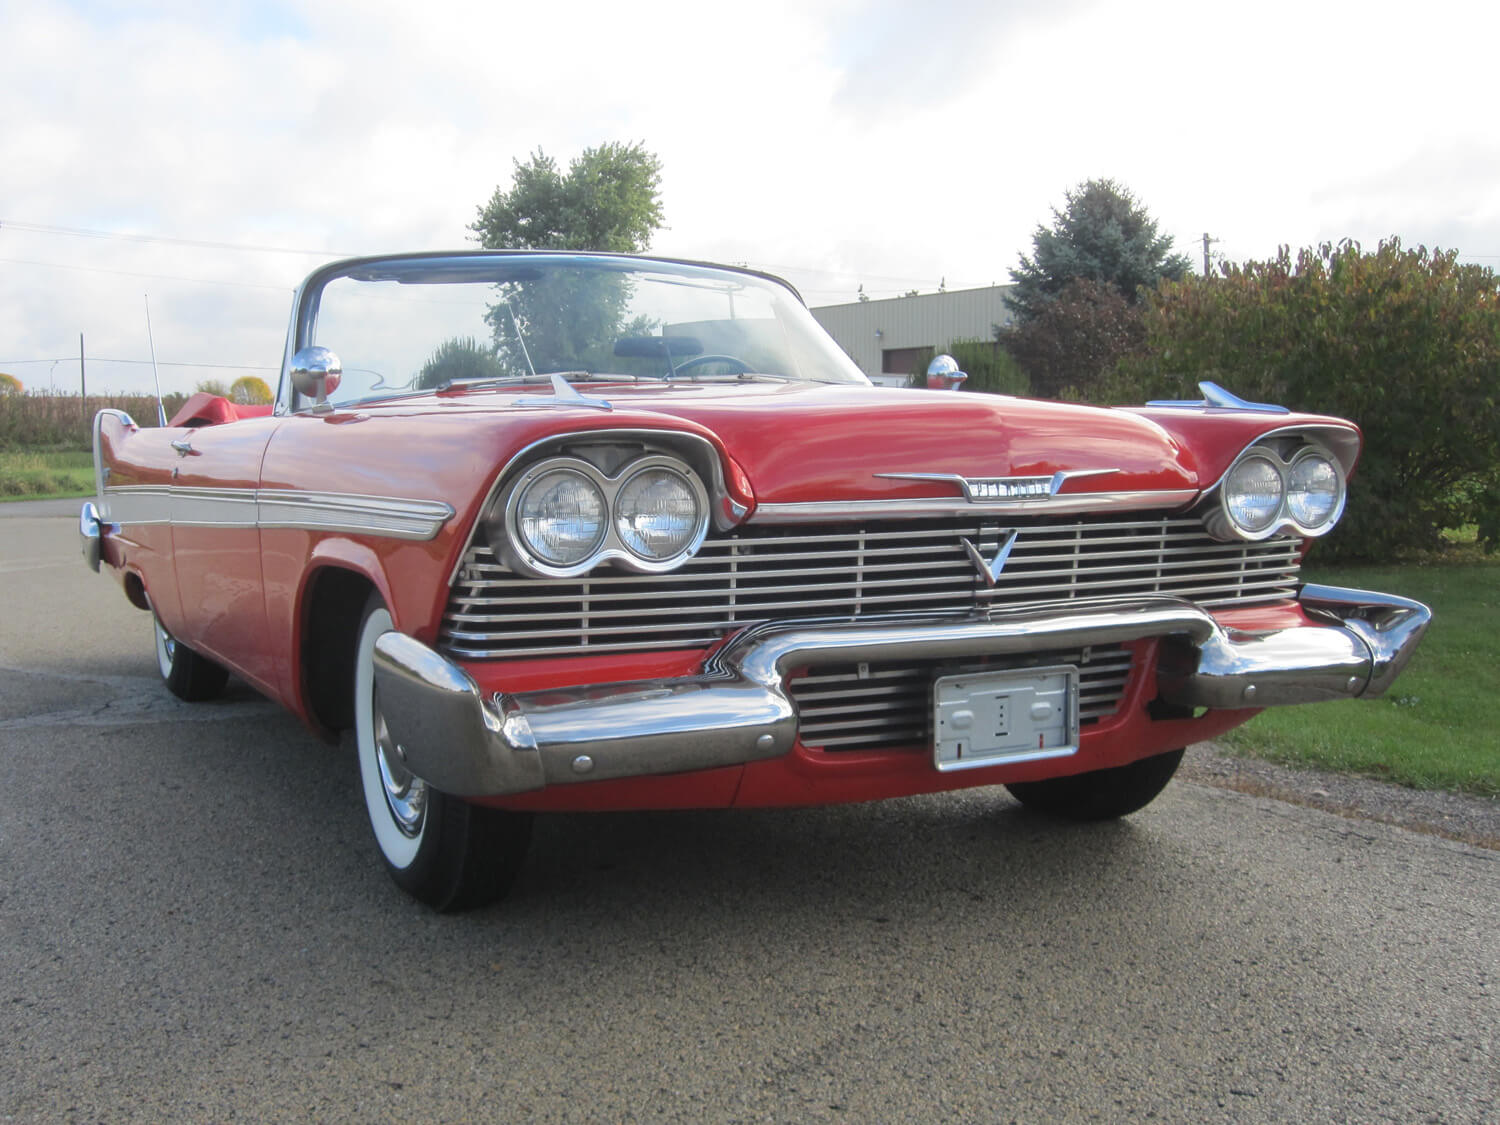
{"type": "Point", "coordinates": [161, 410]}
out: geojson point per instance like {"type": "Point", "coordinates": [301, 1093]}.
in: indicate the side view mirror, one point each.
{"type": "Point", "coordinates": [943, 374]}
{"type": "Point", "coordinates": [316, 372]}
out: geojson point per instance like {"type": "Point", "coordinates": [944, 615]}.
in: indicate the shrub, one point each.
{"type": "Point", "coordinates": [1070, 343]}
{"type": "Point", "coordinates": [1406, 343]}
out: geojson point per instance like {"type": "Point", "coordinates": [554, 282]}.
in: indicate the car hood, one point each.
{"type": "Point", "coordinates": [803, 442]}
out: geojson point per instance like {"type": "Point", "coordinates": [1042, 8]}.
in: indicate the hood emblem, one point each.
{"type": "Point", "coordinates": [980, 490]}
{"type": "Point", "coordinates": [991, 569]}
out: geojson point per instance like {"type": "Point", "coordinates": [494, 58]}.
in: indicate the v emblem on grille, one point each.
{"type": "Point", "coordinates": [991, 569]}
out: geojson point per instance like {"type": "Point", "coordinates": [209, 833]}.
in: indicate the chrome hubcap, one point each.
{"type": "Point", "coordinates": [166, 649]}
{"type": "Point", "coordinates": [405, 794]}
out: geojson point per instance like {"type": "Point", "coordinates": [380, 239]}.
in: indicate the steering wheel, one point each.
{"type": "Point", "coordinates": [741, 367]}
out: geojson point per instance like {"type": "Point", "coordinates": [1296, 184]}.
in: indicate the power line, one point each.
{"type": "Point", "coordinates": [145, 362]}
{"type": "Point", "coordinates": [85, 232]}
{"type": "Point", "coordinates": [161, 276]}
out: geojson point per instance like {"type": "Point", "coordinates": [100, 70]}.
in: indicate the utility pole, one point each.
{"type": "Point", "coordinates": [83, 387]}
{"type": "Point", "coordinates": [1206, 263]}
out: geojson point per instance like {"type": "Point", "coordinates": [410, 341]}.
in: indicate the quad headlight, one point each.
{"type": "Point", "coordinates": [657, 512]}
{"type": "Point", "coordinates": [560, 517]}
{"type": "Point", "coordinates": [1314, 491]}
{"type": "Point", "coordinates": [1254, 493]}
{"type": "Point", "coordinates": [1265, 493]}
{"type": "Point", "coordinates": [564, 516]}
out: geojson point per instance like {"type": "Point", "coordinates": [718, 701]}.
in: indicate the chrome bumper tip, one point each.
{"type": "Point", "coordinates": [1363, 643]}
{"type": "Point", "coordinates": [90, 534]}
{"type": "Point", "coordinates": [463, 743]}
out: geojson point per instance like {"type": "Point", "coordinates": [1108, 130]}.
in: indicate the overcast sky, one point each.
{"type": "Point", "coordinates": [211, 155]}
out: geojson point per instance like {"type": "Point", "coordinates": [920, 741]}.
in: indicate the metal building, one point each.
{"type": "Point", "coordinates": [889, 338]}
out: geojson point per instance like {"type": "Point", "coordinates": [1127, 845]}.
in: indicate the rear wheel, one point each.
{"type": "Point", "coordinates": [444, 851]}
{"type": "Point", "coordinates": [188, 674]}
{"type": "Point", "coordinates": [1100, 794]}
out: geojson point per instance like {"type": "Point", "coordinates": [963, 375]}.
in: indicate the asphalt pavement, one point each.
{"type": "Point", "coordinates": [194, 926]}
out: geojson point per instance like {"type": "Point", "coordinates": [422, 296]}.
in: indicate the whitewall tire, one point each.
{"type": "Point", "coordinates": [187, 674]}
{"type": "Point", "coordinates": [448, 853]}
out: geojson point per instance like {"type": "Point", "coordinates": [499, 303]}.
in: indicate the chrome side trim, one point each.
{"type": "Point", "coordinates": [211, 507]}
{"type": "Point", "coordinates": [739, 709]}
{"type": "Point", "coordinates": [389, 516]}
{"type": "Point", "coordinates": [819, 510]}
{"type": "Point", "coordinates": [243, 508]}
{"type": "Point", "coordinates": [139, 504]}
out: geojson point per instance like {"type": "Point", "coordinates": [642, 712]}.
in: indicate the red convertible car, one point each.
{"type": "Point", "coordinates": [556, 531]}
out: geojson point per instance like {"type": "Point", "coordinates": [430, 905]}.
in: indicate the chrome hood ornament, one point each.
{"type": "Point", "coordinates": [978, 490]}
{"type": "Point", "coordinates": [991, 569]}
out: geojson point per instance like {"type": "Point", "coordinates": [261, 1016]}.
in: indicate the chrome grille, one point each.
{"type": "Point", "coordinates": [871, 706]}
{"type": "Point", "coordinates": [849, 570]}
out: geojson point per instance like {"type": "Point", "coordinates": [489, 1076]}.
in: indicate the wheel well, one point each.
{"type": "Point", "coordinates": [335, 601]}
{"type": "Point", "coordinates": [135, 591]}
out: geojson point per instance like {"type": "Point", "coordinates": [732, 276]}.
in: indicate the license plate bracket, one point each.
{"type": "Point", "coordinates": [1017, 715]}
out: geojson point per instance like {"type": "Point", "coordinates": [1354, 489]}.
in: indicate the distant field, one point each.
{"type": "Point", "coordinates": [1437, 728]}
{"type": "Point", "coordinates": [46, 422]}
{"type": "Point", "coordinates": [30, 474]}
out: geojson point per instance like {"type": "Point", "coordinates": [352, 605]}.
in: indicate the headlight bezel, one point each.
{"type": "Point", "coordinates": [504, 529]}
{"type": "Point", "coordinates": [527, 545]}
{"type": "Point", "coordinates": [1221, 522]}
{"type": "Point", "coordinates": [696, 492]}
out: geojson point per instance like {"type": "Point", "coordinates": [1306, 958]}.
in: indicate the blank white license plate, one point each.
{"type": "Point", "coordinates": [984, 718]}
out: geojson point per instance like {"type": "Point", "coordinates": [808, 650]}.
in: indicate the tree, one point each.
{"type": "Point", "coordinates": [1075, 340]}
{"type": "Point", "coordinates": [609, 200]}
{"type": "Point", "coordinates": [249, 390]}
{"type": "Point", "coordinates": [9, 385]}
{"type": "Point", "coordinates": [1406, 343]}
{"type": "Point", "coordinates": [1104, 234]}
{"type": "Point", "coordinates": [462, 357]}
{"type": "Point", "coordinates": [213, 387]}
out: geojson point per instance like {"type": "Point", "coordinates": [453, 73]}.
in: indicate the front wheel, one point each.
{"type": "Point", "coordinates": [444, 851]}
{"type": "Point", "coordinates": [189, 675]}
{"type": "Point", "coordinates": [1100, 794]}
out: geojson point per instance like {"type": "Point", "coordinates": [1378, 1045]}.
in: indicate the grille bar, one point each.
{"type": "Point", "coordinates": [877, 706]}
{"type": "Point", "coordinates": [774, 573]}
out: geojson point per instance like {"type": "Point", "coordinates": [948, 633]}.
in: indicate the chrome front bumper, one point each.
{"type": "Point", "coordinates": [738, 709]}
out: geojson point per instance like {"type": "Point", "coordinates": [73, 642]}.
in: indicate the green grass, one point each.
{"type": "Point", "coordinates": [1439, 725]}
{"type": "Point", "coordinates": [37, 474]}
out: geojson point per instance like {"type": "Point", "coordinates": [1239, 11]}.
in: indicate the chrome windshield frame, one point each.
{"type": "Point", "coordinates": [447, 267]}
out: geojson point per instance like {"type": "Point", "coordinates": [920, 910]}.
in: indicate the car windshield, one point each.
{"type": "Point", "coordinates": [414, 324]}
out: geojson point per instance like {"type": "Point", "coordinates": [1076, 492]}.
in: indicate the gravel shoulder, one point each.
{"type": "Point", "coordinates": [1453, 816]}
